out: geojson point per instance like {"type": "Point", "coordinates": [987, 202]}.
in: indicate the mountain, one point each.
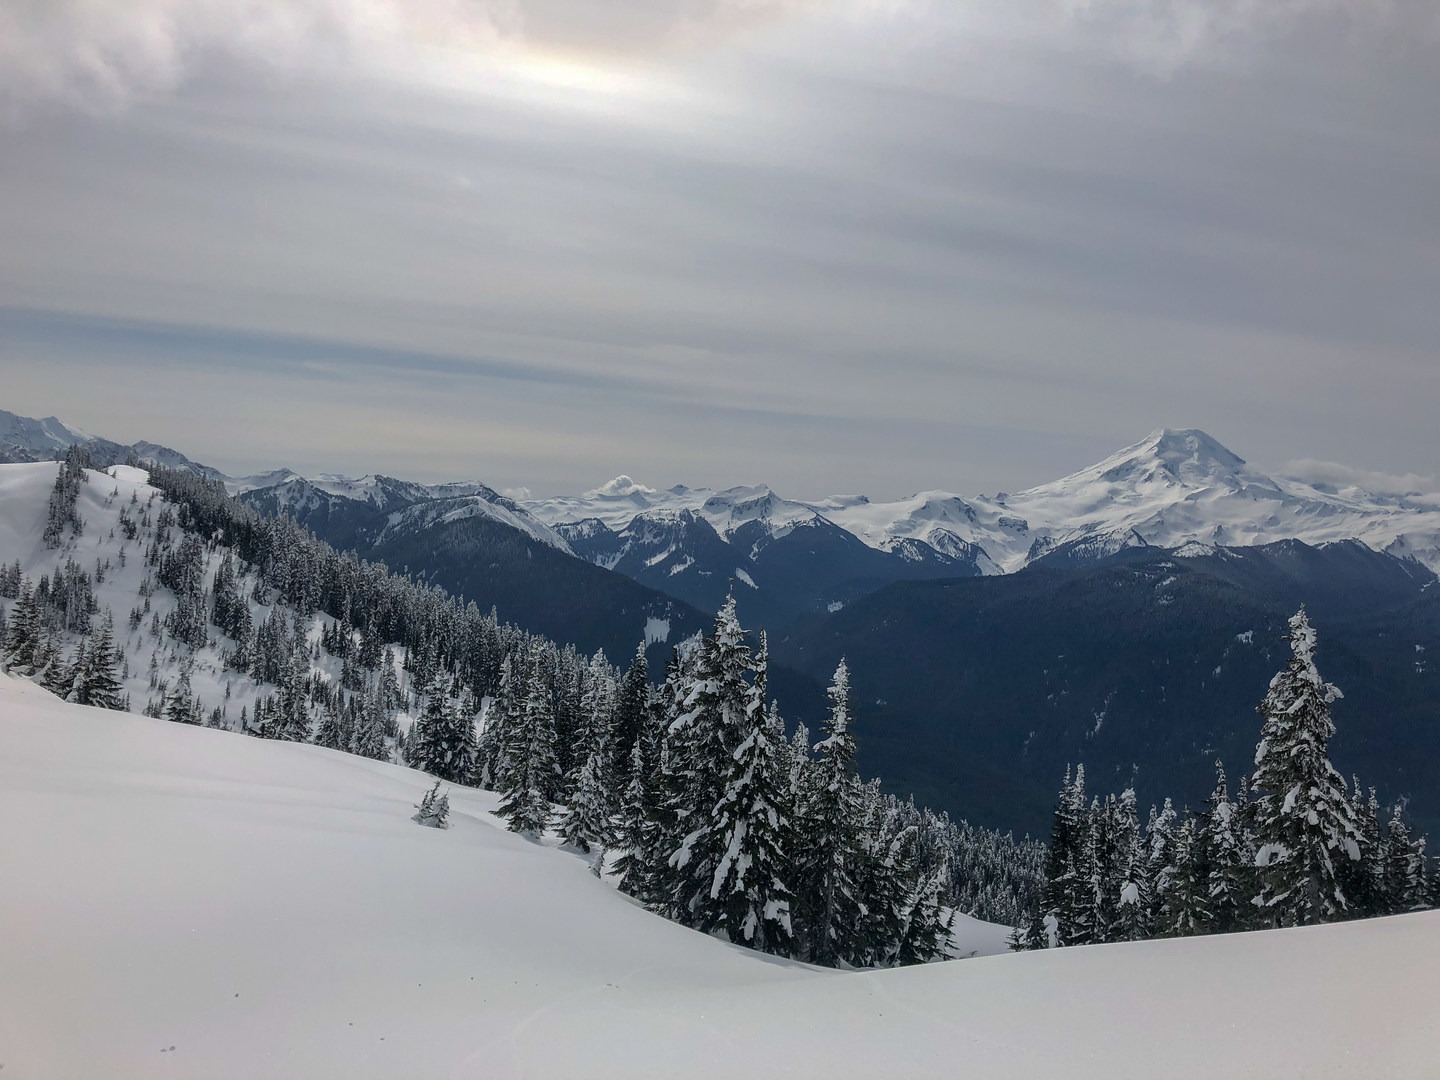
{"type": "Point", "coordinates": [783, 560]}
{"type": "Point", "coordinates": [977, 694]}
{"type": "Point", "coordinates": [1169, 489]}
{"type": "Point", "coordinates": [1173, 488]}
{"type": "Point", "coordinates": [24, 439]}
{"type": "Point", "coordinates": [229, 907]}
{"type": "Point", "coordinates": [363, 512]}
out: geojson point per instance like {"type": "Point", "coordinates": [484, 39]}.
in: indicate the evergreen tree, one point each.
{"type": "Point", "coordinates": [1364, 880]}
{"type": "Point", "coordinates": [703, 739]}
{"type": "Point", "coordinates": [1303, 820]}
{"type": "Point", "coordinates": [290, 722]}
{"type": "Point", "coordinates": [179, 706]}
{"type": "Point", "coordinates": [1134, 899]}
{"type": "Point", "coordinates": [23, 643]}
{"type": "Point", "coordinates": [433, 809]}
{"type": "Point", "coordinates": [924, 923]}
{"type": "Point", "coordinates": [501, 719]}
{"type": "Point", "coordinates": [749, 890]}
{"type": "Point", "coordinates": [331, 733]}
{"type": "Point", "coordinates": [368, 737]}
{"type": "Point", "coordinates": [1228, 861]}
{"type": "Point", "coordinates": [641, 866]}
{"type": "Point", "coordinates": [632, 706]}
{"type": "Point", "coordinates": [62, 513]}
{"type": "Point", "coordinates": [830, 850]}
{"type": "Point", "coordinates": [99, 685]}
{"type": "Point", "coordinates": [1064, 893]}
{"type": "Point", "coordinates": [1406, 887]}
{"type": "Point", "coordinates": [586, 819]}
{"type": "Point", "coordinates": [534, 772]}
{"type": "Point", "coordinates": [442, 741]}
{"type": "Point", "coordinates": [1188, 906]}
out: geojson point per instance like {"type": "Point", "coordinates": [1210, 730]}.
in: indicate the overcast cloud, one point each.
{"type": "Point", "coordinates": [878, 245]}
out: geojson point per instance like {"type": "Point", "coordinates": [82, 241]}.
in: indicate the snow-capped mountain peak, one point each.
{"type": "Point", "coordinates": [1168, 457]}
{"type": "Point", "coordinates": [42, 437]}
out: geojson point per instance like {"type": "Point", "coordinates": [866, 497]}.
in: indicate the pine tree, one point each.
{"type": "Point", "coordinates": [291, 720]}
{"type": "Point", "coordinates": [368, 737]}
{"type": "Point", "coordinates": [703, 739]}
{"type": "Point", "coordinates": [1228, 861]}
{"type": "Point", "coordinates": [99, 685]}
{"type": "Point", "coordinates": [1406, 887]}
{"type": "Point", "coordinates": [1134, 898]}
{"type": "Point", "coordinates": [179, 706]}
{"type": "Point", "coordinates": [501, 719]}
{"type": "Point", "coordinates": [1364, 880]}
{"type": "Point", "coordinates": [25, 638]}
{"type": "Point", "coordinates": [632, 706]}
{"type": "Point", "coordinates": [442, 741]}
{"type": "Point", "coordinates": [830, 849]}
{"type": "Point", "coordinates": [331, 733]}
{"type": "Point", "coordinates": [1188, 907]}
{"type": "Point", "coordinates": [1303, 821]}
{"type": "Point", "coordinates": [641, 865]}
{"type": "Point", "coordinates": [1064, 892]}
{"type": "Point", "coordinates": [586, 819]}
{"type": "Point", "coordinates": [433, 810]}
{"type": "Point", "coordinates": [534, 772]}
{"type": "Point", "coordinates": [749, 886]}
{"type": "Point", "coordinates": [1163, 865]}
{"type": "Point", "coordinates": [924, 924]}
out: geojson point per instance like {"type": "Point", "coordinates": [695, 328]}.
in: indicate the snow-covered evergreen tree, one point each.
{"type": "Point", "coordinates": [585, 821]}
{"type": "Point", "coordinates": [1406, 886]}
{"type": "Point", "coordinates": [1228, 863]}
{"type": "Point", "coordinates": [1303, 823]}
{"type": "Point", "coordinates": [703, 739]}
{"type": "Point", "coordinates": [98, 683]}
{"type": "Point", "coordinates": [433, 809]}
{"type": "Point", "coordinates": [830, 852]}
{"type": "Point", "coordinates": [749, 892]}
{"type": "Point", "coordinates": [642, 835]}
{"type": "Point", "coordinates": [534, 773]}
{"type": "Point", "coordinates": [1133, 899]}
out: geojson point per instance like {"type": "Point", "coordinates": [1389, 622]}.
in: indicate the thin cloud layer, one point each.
{"type": "Point", "coordinates": [102, 56]}
{"type": "Point", "coordinates": [864, 244]}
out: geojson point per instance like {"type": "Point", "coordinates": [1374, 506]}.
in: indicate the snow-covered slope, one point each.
{"type": "Point", "coordinates": [1169, 489]}
{"type": "Point", "coordinates": [109, 494]}
{"type": "Point", "coordinates": [192, 903]}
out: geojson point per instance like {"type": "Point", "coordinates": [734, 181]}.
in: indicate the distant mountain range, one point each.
{"type": "Point", "coordinates": [1128, 615]}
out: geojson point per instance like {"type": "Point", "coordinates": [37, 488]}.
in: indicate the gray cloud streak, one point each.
{"type": "Point", "coordinates": [827, 245]}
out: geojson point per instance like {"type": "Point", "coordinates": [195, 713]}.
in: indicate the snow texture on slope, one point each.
{"type": "Point", "coordinates": [183, 901]}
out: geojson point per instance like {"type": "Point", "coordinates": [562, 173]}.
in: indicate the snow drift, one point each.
{"type": "Point", "coordinates": [179, 901]}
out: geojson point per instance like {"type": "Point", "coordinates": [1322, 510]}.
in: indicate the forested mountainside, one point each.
{"type": "Point", "coordinates": [250, 624]}
{"type": "Point", "coordinates": [1146, 666]}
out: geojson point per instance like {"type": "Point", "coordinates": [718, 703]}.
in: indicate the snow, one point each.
{"type": "Point", "coordinates": [746, 578]}
{"type": "Point", "coordinates": [1177, 489]}
{"type": "Point", "coordinates": [270, 909]}
{"type": "Point", "coordinates": [24, 495]}
{"type": "Point", "coordinates": [657, 630]}
{"type": "Point", "coordinates": [45, 436]}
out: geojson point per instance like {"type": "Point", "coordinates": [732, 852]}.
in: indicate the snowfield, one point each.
{"type": "Point", "coordinates": [183, 902]}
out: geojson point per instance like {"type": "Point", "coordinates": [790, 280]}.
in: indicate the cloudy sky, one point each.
{"type": "Point", "coordinates": [833, 245]}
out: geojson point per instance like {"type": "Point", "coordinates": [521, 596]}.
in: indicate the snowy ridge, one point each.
{"type": "Point", "coordinates": [24, 492]}
{"type": "Point", "coordinates": [42, 437]}
{"type": "Point", "coordinates": [169, 878]}
{"type": "Point", "coordinates": [487, 504]}
{"type": "Point", "coordinates": [1172, 488]}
